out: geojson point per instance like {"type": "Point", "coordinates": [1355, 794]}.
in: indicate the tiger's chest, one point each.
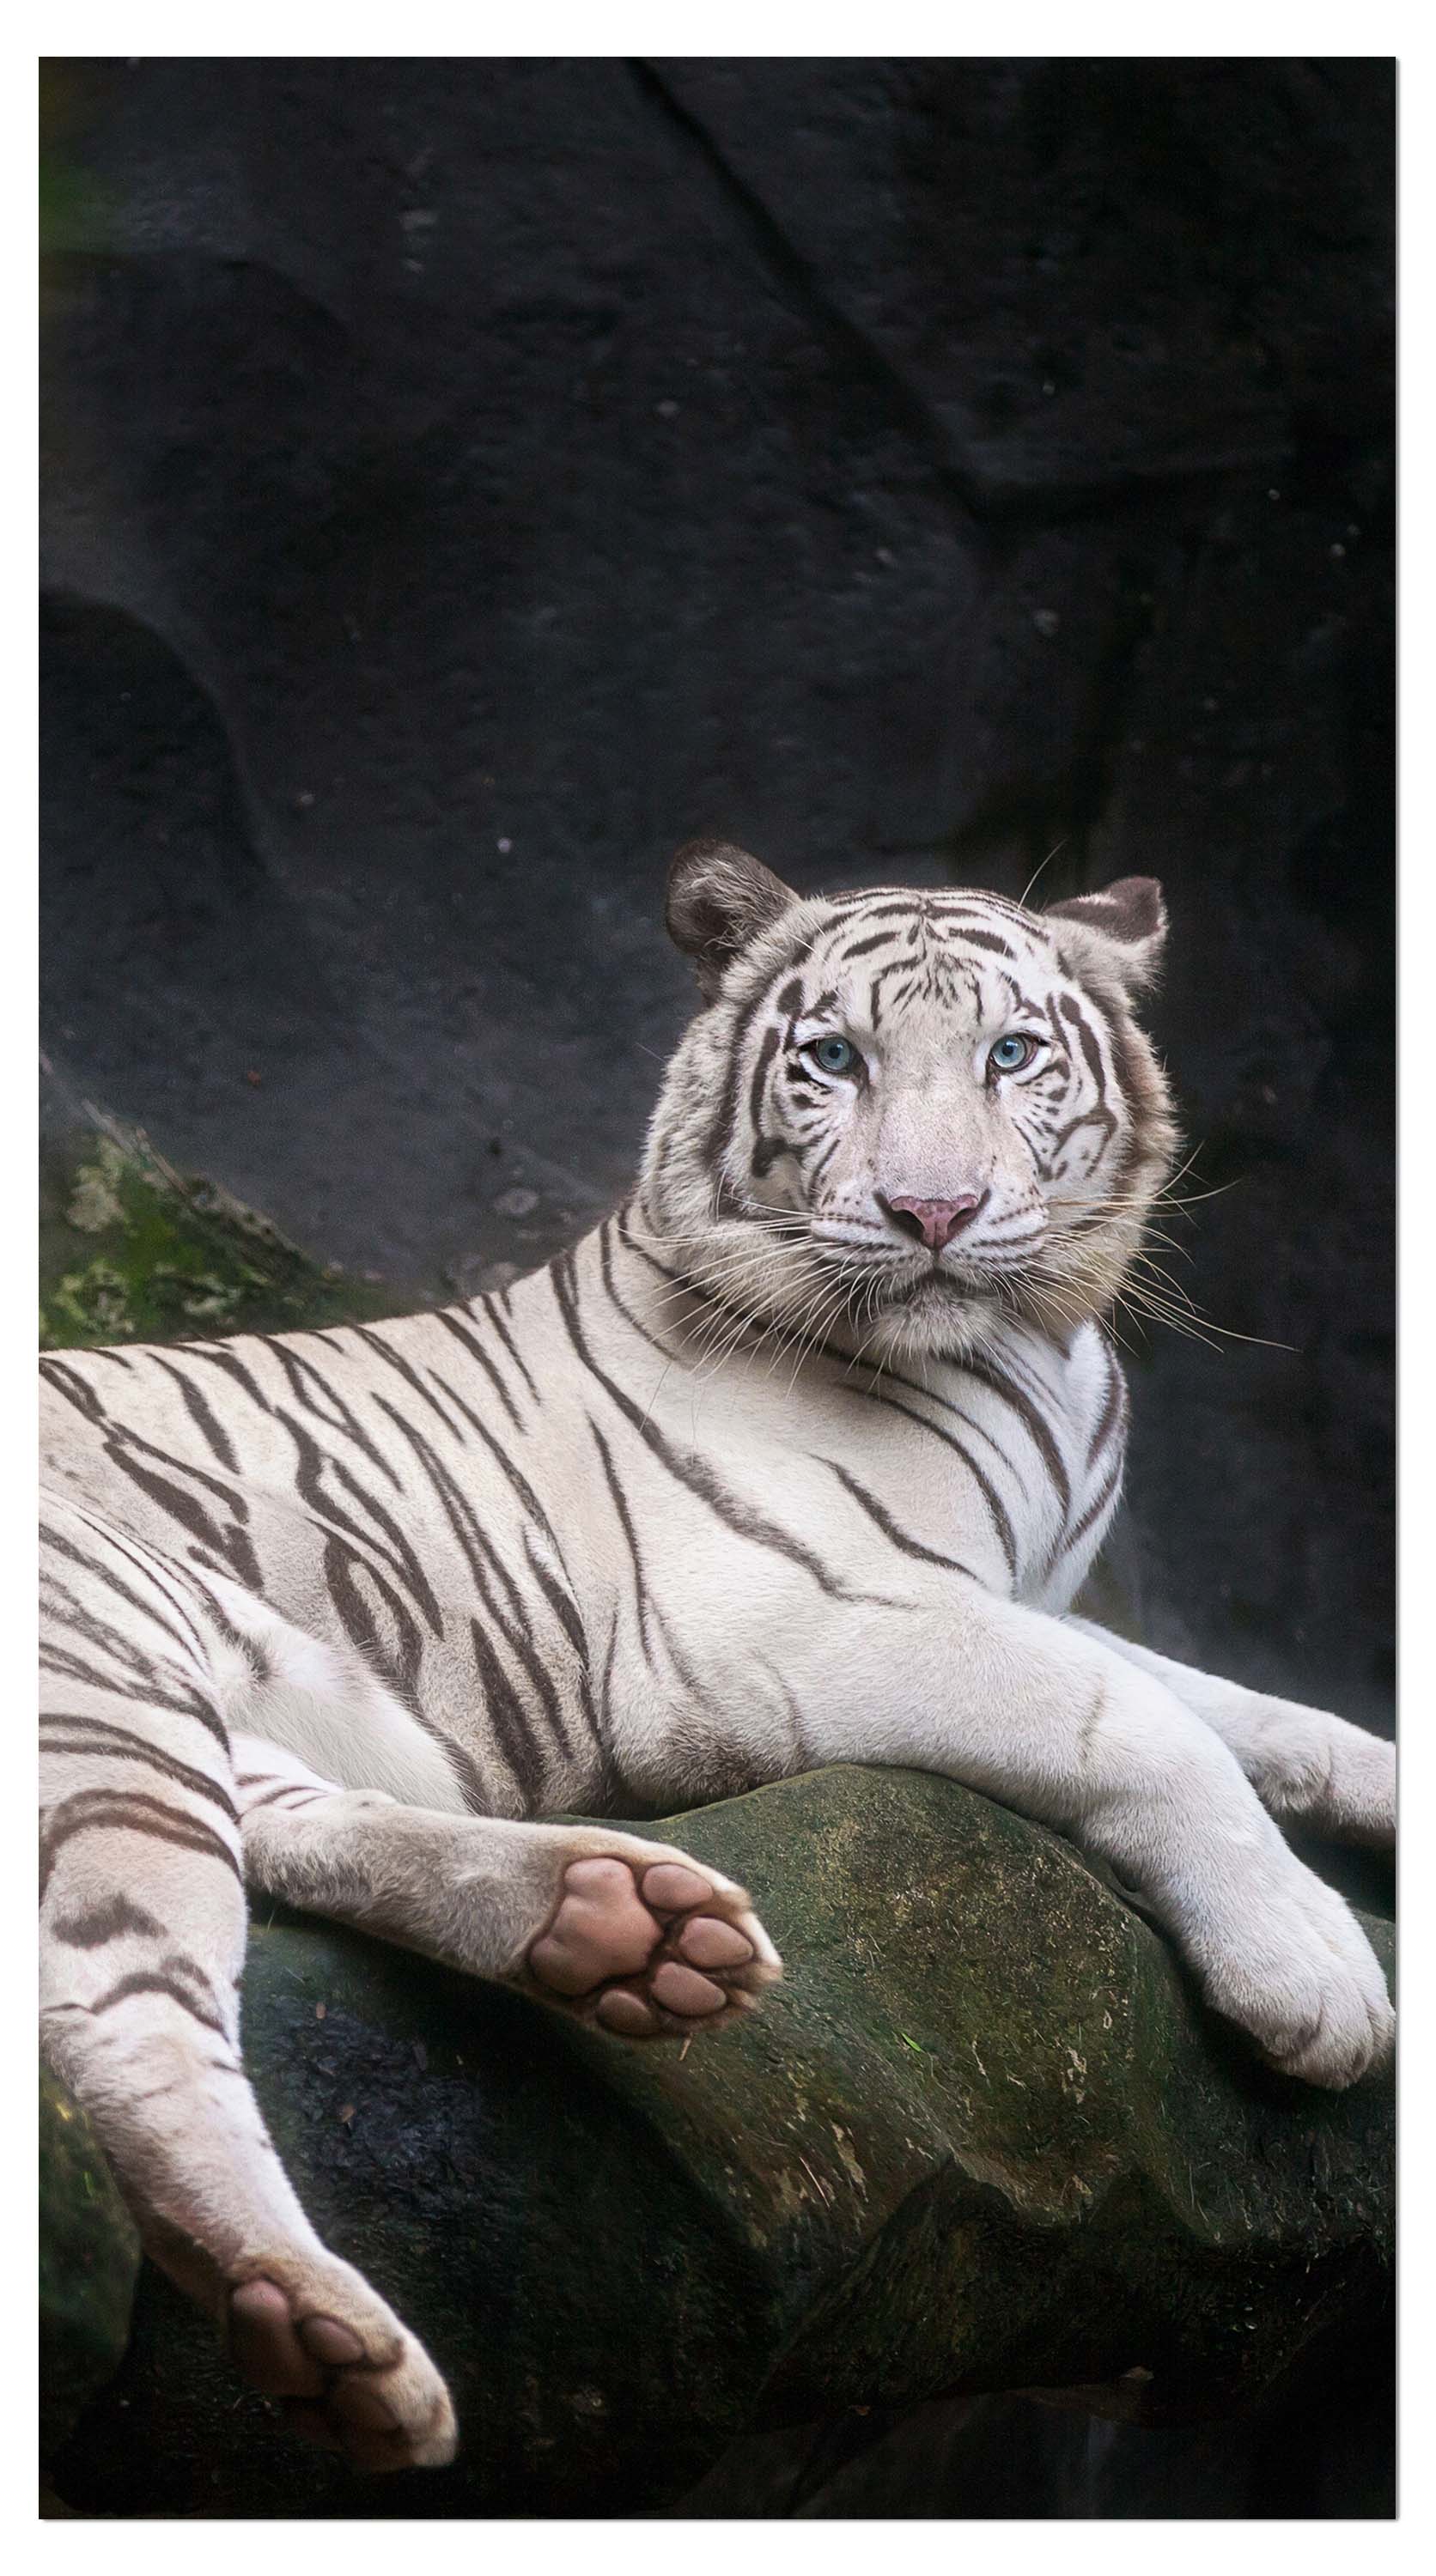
{"type": "Point", "coordinates": [768, 1496]}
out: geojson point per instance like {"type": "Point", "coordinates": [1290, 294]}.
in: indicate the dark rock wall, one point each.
{"type": "Point", "coordinates": [466, 479]}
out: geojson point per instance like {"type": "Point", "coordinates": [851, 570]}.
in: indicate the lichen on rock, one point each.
{"type": "Point", "coordinates": [133, 1251]}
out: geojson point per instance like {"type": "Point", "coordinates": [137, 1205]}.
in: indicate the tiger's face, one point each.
{"type": "Point", "coordinates": [903, 1115]}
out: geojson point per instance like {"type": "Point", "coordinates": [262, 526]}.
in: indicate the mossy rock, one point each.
{"type": "Point", "coordinates": [89, 2263]}
{"type": "Point", "coordinates": [133, 1251]}
{"type": "Point", "coordinates": [983, 2137]}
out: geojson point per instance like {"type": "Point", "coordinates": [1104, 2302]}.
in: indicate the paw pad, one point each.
{"type": "Point", "coordinates": [649, 1952]}
{"type": "Point", "coordinates": [373, 2394]}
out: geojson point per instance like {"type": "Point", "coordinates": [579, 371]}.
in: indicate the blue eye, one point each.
{"type": "Point", "coordinates": [1010, 1054]}
{"type": "Point", "coordinates": [834, 1055]}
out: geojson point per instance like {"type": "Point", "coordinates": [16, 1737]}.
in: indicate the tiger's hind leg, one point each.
{"type": "Point", "coordinates": [142, 1940]}
{"type": "Point", "coordinates": [632, 1935]}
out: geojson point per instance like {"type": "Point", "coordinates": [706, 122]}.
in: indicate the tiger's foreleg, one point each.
{"type": "Point", "coordinates": [1304, 1764]}
{"type": "Point", "coordinates": [633, 1935]}
{"type": "Point", "coordinates": [1052, 1720]}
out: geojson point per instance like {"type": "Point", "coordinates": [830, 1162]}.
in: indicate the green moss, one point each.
{"type": "Point", "coordinates": [132, 1251]}
{"type": "Point", "coordinates": [89, 2262]}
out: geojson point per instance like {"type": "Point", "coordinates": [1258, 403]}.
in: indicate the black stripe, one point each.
{"type": "Point", "coordinates": [990, 1374]}
{"type": "Point", "coordinates": [884, 906]}
{"type": "Point", "coordinates": [74, 1390]}
{"type": "Point", "coordinates": [507, 1716]}
{"type": "Point", "coordinates": [94, 1925]}
{"type": "Point", "coordinates": [303, 1376]}
{"type": "Point", "coordinates": [400, 1667]}
{"type": "Point", "coordinates": [179, 1505]}
{"type": "Point", "coordinates": [560, 1602]}
{"type": "Point", "coordinates": [122, 1745]}
{"type": "Point", "coordinates": [153, 1981]}
{"type": "Point", "coordinates": [970, 898]}
{"type": "Point", "coordinates": [401, 1368]}
{"type": "Point", "coordinates": [1134, 1091]}
{"type": "Point", "coordinates": [1071, 1009]}
{"type": "Point", "coordinates": [94, 1565]}
{"type": "Point", "coordinates": [470, 1342]}
{"type": "Point", "coordinates": [517, 1479]}
{"type": "Point", "coordinates": [821, 1165]}
{"type": "Point", "coordinates": [1006, 1536]}
{"type": "Point", "coordinates": [720, 1132]}
{"type": "Point", "coordinates": [565, 1611]}
{"type": "Point", "coordinates": [632, 1244]}
{"type": "Point", "coordinates": [1094, 1510]}
{"type": "Point", "coordinates": [474, 1545]}
{"type": "Point", "coordinates": [399, 1670]}
{"type": "Point", "coordinates": [605, 1259]}
{"type": "Point", "coordinates": [220, 1355]}
{"type": "Point", "coordinates": [146, 1693]}
{"type": "Point", "coordinates": [694, 1473]}
{"type": "Point", "coordinates": [646, 1600]}
{"type": "Point", "coordinates": [480, 1552]}
{"type": "Point", "coordinates": [864, 947]}
{"type": "Point", "coordinates": [210, 1429]}
{"type": "Point", "coordinates": [400, 1556]}
{"type": "Point", "coordinates": [890, 1530]}
{"type": "Point", "coordinates": [67, 1607]}
{"type": "Point", "coordinates": [620, 1505]}
{"type": "Point", "coordinates": [766, 1053]}
{"type": "Point", "coordinates": [606, 1685]}
{"type": "Point", "coordinates": [720, 1129]}
{"type": "Point", "coordinates": [131, 1810]}
{"type": "Point", "coordinates": [162, 1572]}
{"type": "Point", "coordinates": [1111, 1406]}
{"type": "Point", "coordinates": [972, 938]}
{"type": "Point", "coordinates": [495, 1316]}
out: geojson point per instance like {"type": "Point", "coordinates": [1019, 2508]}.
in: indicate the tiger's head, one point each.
{"type": "Point", "coordinates": [903, 1116]}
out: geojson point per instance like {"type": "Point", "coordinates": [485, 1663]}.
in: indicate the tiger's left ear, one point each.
{"type": "Point", "coordinates": [720, 897]}
{"type": "Point", "coordinates": [1118, 935]}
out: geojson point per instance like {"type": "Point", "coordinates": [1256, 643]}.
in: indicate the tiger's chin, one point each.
{"type": "Point", "coordinates": [934, 1315]}
{"type": "Point", "coordinates": [944, 1315]}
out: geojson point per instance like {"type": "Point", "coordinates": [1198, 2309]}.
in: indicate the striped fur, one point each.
{"type": "Point", "coordinates": [753, 1479]}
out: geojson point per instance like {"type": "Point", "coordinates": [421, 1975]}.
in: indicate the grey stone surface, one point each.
{"type": "Point", "coordinates": [981, 2138]}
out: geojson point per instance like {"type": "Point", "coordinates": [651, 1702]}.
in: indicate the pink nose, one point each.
{"type": "Point", "coordinates": [936, 1221]}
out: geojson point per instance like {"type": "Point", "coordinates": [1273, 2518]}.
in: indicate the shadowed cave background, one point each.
{"type": "Point", "coordinates": [466, 480]}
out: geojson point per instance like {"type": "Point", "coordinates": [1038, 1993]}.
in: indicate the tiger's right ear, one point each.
{"type": "Point", "coordinates": [1118, 933]}
{"type": "Point", "coordinates": [719, 897]}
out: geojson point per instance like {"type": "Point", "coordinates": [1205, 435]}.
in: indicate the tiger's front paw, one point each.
{"type": "Point", "coordinates": [1293, 1967]}
{"type": "Point", "coordinates": [1314, 1769]}
{"type": "Point", "coordinates": [648, 1943]}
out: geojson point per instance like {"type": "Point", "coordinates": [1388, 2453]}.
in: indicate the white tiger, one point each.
{"type": "Point", "coordinates": [799, 1459]}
